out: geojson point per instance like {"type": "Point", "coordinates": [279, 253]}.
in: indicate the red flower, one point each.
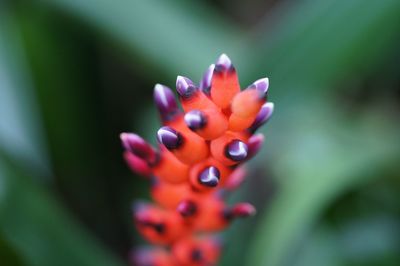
{"type": "Point", "coordinates": [197, 160]}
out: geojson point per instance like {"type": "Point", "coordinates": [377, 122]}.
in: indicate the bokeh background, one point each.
{"type": "Point", "coordinates": [74, 74]}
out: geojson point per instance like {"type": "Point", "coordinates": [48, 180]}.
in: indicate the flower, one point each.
{"type": "Point", "coordinates": [200, 155]}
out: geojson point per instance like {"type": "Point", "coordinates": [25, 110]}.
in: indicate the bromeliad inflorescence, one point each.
{"type": "Point", "coordinates": [198, 160]}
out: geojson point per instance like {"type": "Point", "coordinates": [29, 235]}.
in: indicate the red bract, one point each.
{"type": "Point", "coordinates": [197, 160]}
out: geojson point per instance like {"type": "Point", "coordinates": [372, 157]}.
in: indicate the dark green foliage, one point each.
{"type": "Point", "coordinates": [74, 74]}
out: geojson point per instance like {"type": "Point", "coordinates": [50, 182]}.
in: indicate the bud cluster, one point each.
{"type": "Point", "coordinates": [197, 162]}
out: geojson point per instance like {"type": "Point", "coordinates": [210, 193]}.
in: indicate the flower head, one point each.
{"type": "Point", "coordinates": [199, 155]}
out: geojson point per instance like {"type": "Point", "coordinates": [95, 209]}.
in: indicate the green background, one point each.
{"type": "Point", "coordinates": [74, 74]}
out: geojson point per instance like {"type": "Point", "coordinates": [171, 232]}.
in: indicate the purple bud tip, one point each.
{"type": "Point", "coordinates": [217, 241]}
{"type": "Point", "coordinates": [138, 146]}
{"type": "Point", "coordinates": [243, 210]}
{"type": "Point", "coordinates": [128, 139]}
{"type": "Point", "coordinates": [154, 182]}
{"type": "Point", "coordinates": [224, 61]}
{"type": "Point", "coordinates": [254, 144]}
{"type": "Point", "coordinates": [195, 119]}
{"type": "Point", "coordinates": [237, 150]}
{"type": "Point", "coordinates": [209, 177]}
{"type": "Point", "coordinates": [142, 257]}
{"type": "Point", "coordinates": [236, 178]}
{"type": "Point", "coordinates": [165, 101]}
{"type": "Point", "coordinates": [169, 137]}
{"type": "Point", "coordinates": [197, 255]}
{"type": "Point", "coordinates": [137, 164]}
{"type": "Point", "coordinates": [185, 87]}
{"type": "Point", "coordinates": [261, 85]}
{"type": "Point", "coordinates": [148, 221]}
{"type": "Point", "coordinates": [205, 84]}
{"type": "Point", "coordinates": [139, 206]}
{"type": "Point", "coordinates": [262, 117]}
{"type": "Point", "coordinates": [187, 208]}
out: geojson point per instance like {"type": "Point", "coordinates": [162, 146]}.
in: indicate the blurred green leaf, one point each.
{"type": "Point", "coordinates": [314, 153]}
{"type": "Point", "coordinates": [371, 239]}
{"type": "Point", "coordinates": [318, 161]}
{"type": "Point", "coordinates": [80, 123]}
{"type": "Point", "coordinates": [311, 46]}
{"type": "Point", "coordinates": [174, 36]}
{"type": "Point", "coordinates": [321, 42]}
{"type": "Point", "coordinates": [312, 41]}
{"type": "Point", "coordinates": [39, 230]}
{"type": "Point", "coordinates": [8, 256]}
{"type": "Point", "coordinates": [34, 227]}
{"type": "Point", "coordinates": [21, 131]}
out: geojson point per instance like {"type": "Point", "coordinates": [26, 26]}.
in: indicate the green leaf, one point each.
{"type": "Point", "coordinates": [175, 36]}
{"type": "Point", "coordinates": [312, 45]}
{"type": "Point", "coordinates": [8, 255]}
{"type": "Point", "coordinates": [321, 159]}
{"type": "Point", "coordinates": [21, 128]}
{"type": "Point", "coordinates": [34, 227]}
{"type": "Point", "coordinates": [39, 229]}
{"type": "Point", "coordinates": [311, 41]}
{"type": "Point", "coordinates": [321, 42]}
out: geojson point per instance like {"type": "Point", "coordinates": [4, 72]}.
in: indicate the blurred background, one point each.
{"type": "Point", "coordinates": [74, 74]}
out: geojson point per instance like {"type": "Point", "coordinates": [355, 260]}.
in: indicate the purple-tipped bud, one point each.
{"type": "Point", "coordinates": [154, 182]}
{"type": "Point", "coordinates": [143, 218]}
{"type": "Point", "coordinates": [262, 117]}
{"type": "Point", "coordinates": [236, 178]}
{"type": "Point", "coordinates": [137, 164]}
{"type": "Point", "coordinates": [142, 257]}
{"type": "Point", "coordinates": [195, 119]}
{"type": "Point", "coordinates": [223, 62]}
{"type": "Point", "coordinates": [148, 221]}
{"type": "Point", "coordinates": [217, 241]}
{"type": "Point", "coordinates": [261, 85]}
{"type": "Point", "coordinates": [139, 206]}
{"type": "Point", "coordinates": [185, 87]}
{"type": "Point", "coordinates": [138, 146]}
{"type": "Point", "coordinates": [209, 177]}
{"type": "Point", "coordinates": [205, 84]}
{"type": "Point", "coordinates": [243, 210]}
{"type": "Point", "coordinates": [240, 210]}
{"type": "Point", "coordinates": [187, 208]}
{"type": "Point", "coordinates": [197, 255]}
{"type": "Point", "coordinates": [165, 102]}
{"type": "Point", "coordinates": [254, 144]}
{"type": "Point", "coordinates": [169, 137]}
{"type": "Point", "coordinates": [236, 150]}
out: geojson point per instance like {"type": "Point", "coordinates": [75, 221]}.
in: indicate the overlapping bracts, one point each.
{"type": "Point", "coordinates": [199, 159]}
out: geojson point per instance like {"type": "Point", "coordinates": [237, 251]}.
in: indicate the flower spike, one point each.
{"type": "Point", "coordinates": [198, 162]}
